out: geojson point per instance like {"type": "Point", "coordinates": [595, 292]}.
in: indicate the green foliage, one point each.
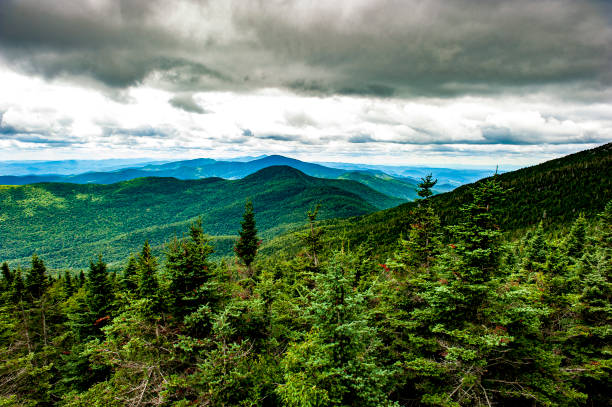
{"type": "Point", "coordinates": [189, 272]}
{"type": "Point", "coordinates": [335, 364]}
{"type": "Point", "coordinates": [248, 242]}
{"type": "Point", "coordinates": [461, 315]}
{"type": "Point", "coordinates": [425, 186]}
{"type": "Point", "coordinates": [65, 223]}
{"type": "Point", "coordinates": [36, 278]}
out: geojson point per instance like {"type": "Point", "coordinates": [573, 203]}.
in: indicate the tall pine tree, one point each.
{"type": "Point", "coordinates": [246, 247]}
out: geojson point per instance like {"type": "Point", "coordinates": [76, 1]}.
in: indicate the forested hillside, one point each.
{"type": "Point", "coordinates": [554, 193]}
{"type": "Point", "coordinates": [394, 186]}
{"type": "Point", "coordinates": [454, 316]}
{"type": "Point", "coordinates": [70, 223]}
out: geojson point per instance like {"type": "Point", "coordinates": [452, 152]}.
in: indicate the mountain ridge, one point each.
{"type": "Point", "coordinates": [69, 223]}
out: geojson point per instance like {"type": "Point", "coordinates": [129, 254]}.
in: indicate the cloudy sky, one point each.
{"type": "Point", "coordinates": [478, 82]}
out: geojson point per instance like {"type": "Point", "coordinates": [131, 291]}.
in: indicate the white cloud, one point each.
{"type": "Point", "coordinates": [53, 120]}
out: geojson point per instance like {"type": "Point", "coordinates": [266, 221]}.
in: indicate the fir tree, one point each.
{"type": "Point", "coordinates": [129, 277]}
{"type": "Point", "coordinates": [7, 276]}
{"type": "Point", "coordinates": [335, 364]}
{"type": "Point", "coordinates": [425, 186]}
{"type": "Point", "coordinates": [68, 284]}
{"type": "Point", "coordinates": [246, 247]}
{"type": "Point", "coordinates": [577, 238]}
{"type": "Point", "coordinates": [189, 271]}
{"type": "Point", "coordinates": [17, 292]}
{"type": "Point", "coordinates": [476, 242]}
{"type": "Point", "coordinates": [99, 296]}
{"type": "Point", "coordinates": [36, 279]}
{"type": "Point", "coordinates": [312, 239]}
{"type": "Point", "coordinates": [148, 286]}
{"type": "Point", "coordinates": [82, 279]}
{"type": "Point", "coordinates": [424, 238]}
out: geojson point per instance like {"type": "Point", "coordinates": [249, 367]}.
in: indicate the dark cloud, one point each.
{"type": "Point", "coordinates": [380, 48]}
{"type": "Point", "coordinates": [187, 103]}
{"type": "Point", "coordinates": [31, 136]}
{"type": "Point", "coordinates": [361, 138]}
{"type": "Point", "coordinates": [140, 132]}
{"type": "Point", "coordinates": [291, 138]}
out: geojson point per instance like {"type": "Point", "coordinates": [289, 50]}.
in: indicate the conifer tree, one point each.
{"type": "Point", "coordinates": [246, 247]}
{"type": "Point", "coordinates": [424, 238]}
{"type": "Point", "coordinates": [577, 238]}
{"type": "Point", "coordinates": [335, 364]}
{"type": "Point", "coordinates": [129, 277]}
{"type": "Point", "coordinates": [82, 279]}
{"type": "Point", "coordinates": [7, 276]}
{"type": "Point", "coordinates": [68, 284]}
{"type": "Point", "coordinates": [99, 296]}
{"type": "Point", "coordinates": [426, 185]}
{"type": "Point", "coordinates": [148, 286]}
{"type": "Point", "coordinates": [476, 244]}
{"type": "Point", "coordinates": [312, 238]}
{"type": "Point", "coordinates": [189, 271]}
{"type": "Point", "coordinates": [17, 287]}
{"type": "Point", "coordinates": [36, 278]}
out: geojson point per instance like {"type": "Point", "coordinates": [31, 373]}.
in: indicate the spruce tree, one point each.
{"type": "Point", "coordinates": [129, 277]}
{"type": "Point", "coordinates": [576, 239]}
{"type": "Point", "coordinates": [424, 238]}
{"type": "Point", "coordinates": [425, 186]}
{"type": "Point", "coordinates": [476, 242]}
{"type": "Point", "coordinates": [335, 364]}
{"type": "Point", "coordinates": [36, 278]}
{"type": "Point", "coordinates": [17, 291]}
{"type": "Point", "coordinates": [246, 247]}
{"type": "Point", "coordinates": [99, 296]}
{"type": "Point", "coordinates": [148, 286]}
{"type": "Point", "coordinates": [68, 284]}
{"type": "Point", "coordinates": [7, 276]}
{"type": "Point", "coordinates": [189, 271]}
{"type": "Point", "coordinates": [82, 279]}
{"type": "Point", "coordinates": [312, 239]}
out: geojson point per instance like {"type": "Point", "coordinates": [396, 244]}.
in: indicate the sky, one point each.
{"type": "Point", "coordinates": [403, 82]}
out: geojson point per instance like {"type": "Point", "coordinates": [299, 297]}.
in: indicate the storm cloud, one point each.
{"type": "Point", "coordinates": [376, 47]}
{"type": "Point", "coordinates": [385, 79]}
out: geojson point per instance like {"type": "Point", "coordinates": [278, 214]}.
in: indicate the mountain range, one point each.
{"type": "Point", "coordinates": [69, 223]}
{"type": "Point", "coordinates": [554, 193]}
{"type": "Point", "coordinates": [393, 185]}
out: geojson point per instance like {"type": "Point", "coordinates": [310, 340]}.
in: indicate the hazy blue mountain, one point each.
{"type": "Point", "coordinates": [70, 167]}
{"type": "Point", "coordinates": [448, 178]}
{"type": "Point", "coordinates": [395, 186]}
{"type": "Point", "coordinates": [68, 224]}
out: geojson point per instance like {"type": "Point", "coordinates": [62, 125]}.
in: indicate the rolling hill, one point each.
{"type": "Point", "coordinates": [395, 186]}
{"type": "Point", "coordinates": [67, 224]}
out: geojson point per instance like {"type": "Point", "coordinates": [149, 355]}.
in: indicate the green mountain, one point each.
{"type": "Point", "coordinates": [186, 169]}
{"type": "Point", "coordinates": [69, 223]}
{"type": "Point", "coordinates": [388, 185]}
{"type": "Point", "coordinates": [394, 186]}
{"type": "Point", "coordinates": [553, 192]}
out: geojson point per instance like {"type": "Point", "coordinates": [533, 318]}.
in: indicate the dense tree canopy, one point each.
{"type": "Point", "coordinates": [457, 315]}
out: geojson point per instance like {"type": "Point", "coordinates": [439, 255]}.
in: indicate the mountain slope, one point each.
{"type": "Point", "coordinates": [388, 185]}
{"type": "Point", "coordinates": [394, 186]}
{"type": "Point", "coordinates": [69, 223]}
{"type": "Point", "coordinates": [554, 192]}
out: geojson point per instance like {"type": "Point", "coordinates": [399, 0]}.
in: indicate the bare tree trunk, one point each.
{"type": "Point", "coordinates": [44, 322]}
{"type": "Point", "coordinates": [25, 324]}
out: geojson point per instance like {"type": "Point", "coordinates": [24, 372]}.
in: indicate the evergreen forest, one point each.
{"type": "Point", "coordinates": [495, 294]}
